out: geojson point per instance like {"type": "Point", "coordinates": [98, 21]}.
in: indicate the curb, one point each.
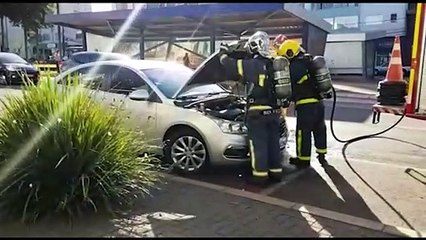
{"type": "Point", "coordinates": [356, 95]}
{"type": "Point", "coordinates": [341, 217]}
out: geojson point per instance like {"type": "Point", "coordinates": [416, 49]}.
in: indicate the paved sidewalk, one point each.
{"type": "Point", "coordinates": [186, 210]}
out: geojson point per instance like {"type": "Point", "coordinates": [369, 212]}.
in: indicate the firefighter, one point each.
{"type": "Point", "coordinates": [310, 81]}
{"type": "Point", "coordinates": [279, 39]}
{"type": "Point", "coordinates": [263, 110]}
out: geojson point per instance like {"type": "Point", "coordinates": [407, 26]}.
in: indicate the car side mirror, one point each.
{"type": "Point", "coordinates": [139, 95]}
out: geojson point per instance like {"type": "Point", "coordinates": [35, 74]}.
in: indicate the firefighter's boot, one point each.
{"type": "Point", "coordinates": [322, 160]}
{"type": "Point", "coordinates": [299, 163]}
{"type": "Point", "coordinates": [258, 181]}
{"type": "Point", "coordinates": [276, 177]}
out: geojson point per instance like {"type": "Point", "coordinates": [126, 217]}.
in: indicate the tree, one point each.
{"type": "Point", "coordinates": [28, 15]}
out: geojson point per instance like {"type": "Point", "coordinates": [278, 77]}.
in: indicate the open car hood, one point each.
{"type": "Point", "coordinates": [211, 71]}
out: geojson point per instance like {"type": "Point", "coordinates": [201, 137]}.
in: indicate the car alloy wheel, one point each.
{"type": "Point", "coordinates": [188, 153]}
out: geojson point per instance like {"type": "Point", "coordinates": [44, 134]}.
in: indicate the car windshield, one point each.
{"type": "Point", "coordinates": [169, 79]}
{"type": "Point", "coordinates": [11, 58]}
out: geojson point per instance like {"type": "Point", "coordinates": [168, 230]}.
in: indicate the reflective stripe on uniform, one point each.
{"type": "Point", "coordinates": [302, 79]}
{"type": "Point", "coordinates": [276, 170]}
{"type": "Point", "coordinates": [304, 158]}
{"type": "Point", "coordinates": [260, 107]}
{"type": "Point", "coordinates": [299, 147]}
{"type": "Point", "coordinates": [307, 100]}
{"type": "Point", "coordinates": [240, 67]}
{"type": "Point", "coordinates": [299, 142]}
{"type": "Point", "coordinates": [253, 162]}
{"type": "Point", "coordinates": [259, 174]}
{"type": "Point", "coordinates": [261, 80]}
{"type": "Point", "coordinates": [323, 151]}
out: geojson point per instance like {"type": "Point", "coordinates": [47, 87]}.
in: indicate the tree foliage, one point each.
{"type": "Point", "coordinates": [28, 15]}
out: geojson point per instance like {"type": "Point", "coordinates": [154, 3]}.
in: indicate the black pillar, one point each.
{"type": "Point", "coordinates": [142, 45]}
{"type": "Point", "coordinates": [314, 39]}
{"type": "Point", "coordinates": [26, 42]}
{"type": "Point", "coordinates": [213, 41]}
{"type": "Point", "coordinates": [84, 35]}
{"type": "Point", "coordinates": [169, 48]}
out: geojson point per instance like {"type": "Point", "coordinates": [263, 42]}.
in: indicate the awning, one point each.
{"type": "Point", "coordinates": [224, 20]}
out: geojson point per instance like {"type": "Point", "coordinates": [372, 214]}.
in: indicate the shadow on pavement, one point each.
{"type": "Point", "coordinates": [374, 190]}
{"type": "Point", "coordinates": [181, 210]}
{"type": "Point", "coordinates": [311, 188]}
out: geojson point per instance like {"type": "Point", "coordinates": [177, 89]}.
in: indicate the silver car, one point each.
{"type": "Point", "coordinates": [194, 120]}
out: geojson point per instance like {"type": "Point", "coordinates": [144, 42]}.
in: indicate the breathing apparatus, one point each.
{"type": "Point", "coordinates": [321, 75]}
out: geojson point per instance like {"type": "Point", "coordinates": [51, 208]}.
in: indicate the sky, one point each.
{"type": "Point", "coordinates": [100, 7]}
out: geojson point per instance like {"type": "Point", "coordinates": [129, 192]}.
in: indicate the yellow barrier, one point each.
{"type": "Point", "coordinates": [47, 70]}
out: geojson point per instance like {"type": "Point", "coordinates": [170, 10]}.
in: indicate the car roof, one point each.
{"type": "Point", "coordinates": [100, 53]}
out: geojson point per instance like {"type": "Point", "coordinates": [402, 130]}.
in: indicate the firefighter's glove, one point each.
{"type": "Point", "coordinates": [224, 48]}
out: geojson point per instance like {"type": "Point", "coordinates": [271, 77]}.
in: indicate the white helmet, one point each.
{"type": "Point", "coordinates": [259, 43]}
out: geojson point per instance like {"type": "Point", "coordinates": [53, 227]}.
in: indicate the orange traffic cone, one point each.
{"type": "Point", "coordinates": [392, 90]}
{"type": "Point", "coordinates": [395, 72]}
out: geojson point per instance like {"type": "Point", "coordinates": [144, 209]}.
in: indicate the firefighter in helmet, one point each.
{"type": "Point", "coordinates": [263, 106]}
{"type": "Point", "coordinates": [278, 40]}
{"type": "Point", "coordinates": [311, 82]}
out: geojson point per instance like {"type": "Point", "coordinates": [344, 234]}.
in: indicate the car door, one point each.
{"type": "Point", "coordinates": [139, 115]}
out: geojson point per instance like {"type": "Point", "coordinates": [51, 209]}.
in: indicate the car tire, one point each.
{"type": "Point", "coordinates": [376, 72]}
{"type": "Point", "coordinates": [187, 146]}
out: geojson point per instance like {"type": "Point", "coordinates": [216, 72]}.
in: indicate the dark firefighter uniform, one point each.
{"type": "Point", "coordinates": [262, 117]}
{"type": "Point", "coordinates": [309, 105]}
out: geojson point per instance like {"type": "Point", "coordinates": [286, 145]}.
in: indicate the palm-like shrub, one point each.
{"type": "Point", "coordinates": [62, 152]}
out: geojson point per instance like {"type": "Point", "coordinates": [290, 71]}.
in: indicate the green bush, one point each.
{"type": "Point", "coordinates": [82, 159]}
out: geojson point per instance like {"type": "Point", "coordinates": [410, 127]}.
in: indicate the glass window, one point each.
{"type": "Point", "coordinates": [169, 79]}
{"type": "Point", "coordinates": [347, 21]}
{"type": "Point", "coordinates": [85, 77]}
{"type": "Point", "coordinates": [329, 20]}
{"type": "Point", "coordinates": [374, 20]}
{"type": "Point", "coordinates": [125, 79]}
{"type": "Point", "coordinates": [393, 17]}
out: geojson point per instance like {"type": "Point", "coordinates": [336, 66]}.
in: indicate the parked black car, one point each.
{"type": "Point", "coordinates": [87, 57]}
{"type": "Point", "coordinates": [14, 69]}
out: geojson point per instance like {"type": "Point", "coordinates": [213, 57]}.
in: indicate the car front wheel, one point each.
{"type": "Point", "coordinates": [187, 151]}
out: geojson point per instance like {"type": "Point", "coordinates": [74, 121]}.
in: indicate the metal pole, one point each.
{"type": "Point", "coordinates": [142, 45]}
{"type": "Point", "coordinates": [84, 35]}
{"type": "Point", "coordinates": [59, 34]}
{"type": "Point", "coordinates": [26, 42]}
{"type": "Point", "coordinates": [213, 41]}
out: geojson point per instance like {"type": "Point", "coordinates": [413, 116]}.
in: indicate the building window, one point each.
{"type": "Point", "coordinates": [393, 17]}
{"type": "Point", "coordinates": [373, 20]}
{"type": "Point", "coordinates": [45, 37]}
{"type": "Point", "coordinates": [337, 5]}
{"type": "Point", "coordinates": [329, 20]}
{"type": "Point", "coordinates": [347, 21]}
{"type": "Point", "coordinates": [308, 6]}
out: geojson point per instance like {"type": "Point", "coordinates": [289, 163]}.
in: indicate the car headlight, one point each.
{"type": "Point", "coordinates": [231, 127]}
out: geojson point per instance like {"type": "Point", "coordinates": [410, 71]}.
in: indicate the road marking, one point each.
{"type": "Point", "coordinates": [385, 164]}
{"type": "Point", "coordinates": [340, 217]}
{"type": "Point", "coordinates": [288, 179]}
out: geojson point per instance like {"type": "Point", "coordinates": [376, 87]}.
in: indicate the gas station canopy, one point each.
{"type": "Point", "coordinates": [228, 20]}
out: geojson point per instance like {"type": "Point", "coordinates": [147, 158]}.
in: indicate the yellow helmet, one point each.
{"type": "Point", "coordinates": [289, 48]}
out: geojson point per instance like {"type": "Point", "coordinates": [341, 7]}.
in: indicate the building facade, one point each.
{"type": "Point", "coordinates": [42, 44]}
{"type": "Point", "coordinates": [383, 20]}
